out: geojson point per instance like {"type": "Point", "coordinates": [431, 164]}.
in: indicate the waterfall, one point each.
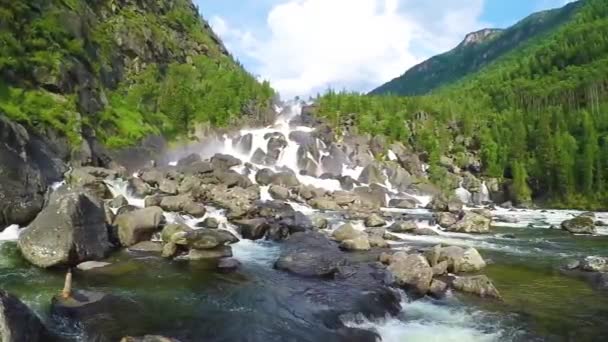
{"type": "Point", "coordinates": [463, 194]}
{"type": "Point", "coordinates": [485, 193]}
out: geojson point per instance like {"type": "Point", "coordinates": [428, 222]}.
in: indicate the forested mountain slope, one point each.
{"type": "Point", "coordinates": [477, 50]}
{"type": "Point", "coordinates": [119, 70]}
{"type": "Point", "coordinates": [537, 118]}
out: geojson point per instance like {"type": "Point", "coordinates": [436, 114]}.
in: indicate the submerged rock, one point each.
{"type": "Point", "coordinates": [70, 230]}
{"type": "Point", "coordinates": [479, 285]}
{"type": "Point", "coordinates": [18, 323]}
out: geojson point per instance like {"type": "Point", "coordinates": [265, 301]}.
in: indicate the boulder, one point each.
{"type": "Point", "coordinates": [228, 265]}
{"type": "Point", "coordinates": [359, 243]}
{"type": "Point", "coordinates": [455, 205]}
{"type": "Point", "coordinates": [346, 232]}
{"type": "Point", "coordinates": [403, 227]}
{"type": "Point", "coordinates": [461, 260]}
{"type": "Point", "coordinates": [196, 210]}
{"type": "Point", "coordinates": [224, 161]}
{"type": "Point", "coordinates": [425, 232]}
{"type": "Point", "coordinates": [471, 223]}
{"type": "Point", "coordinates": [70, 230]}
{"type": "Point", "coordinates": [117, 202]}
{"type": "Point", "coordinates": [175, 203]}
{"type": "Point", "coordinates": [152, 177]}
{"type": "Point", "coordinates": [372, 173]}
{"type": "Point", "coordinates": [324, 204]}
{"type": "Point", "coordinates": [412, 272]}
{"type": "Point", "coordinates": [594, 264]}
{"type": "Point", "coordinates": [207, 238]}
{"type": "Point", "coordinates": [479, 285]}
{"type": "Point", "coordinates": [126, 209]}
{"type": "Point", "coordinates": [153, 201]}
{"type": "Point", "coordinates": [147, 247]}
{"type": "Point", "coordinates": [18, 323]}
{"type": "Point", "coordinates": [189, 160]}
{"type": "Point", "coordinates": [91, 265]}
{"type": "Point", "coordinates": [279, 192]}
{"type": "Point", "coordinates": [308, 192]}
{"type": "Point", "coordinates": [438, 288]}
{"type": "Point", "coordinates": [237, 200]}
{"type": "Point", "coordinates": [319, 222]}
{"type": "Point", "coordinates": [244, 144]}
{"type": "Point", "coordinates": [310, 254]}
{"type": "Point", "coordinates": [169, 232]}
{"type": "Point", "coordinates": [138, 187]}
{"type": "Point", "coordinates": [378, 241]}
{"type": "Point", "coordinates": [215, 253]}
{"type": "Point", "coordinates": [168, 186]}
{"type": "Point", "coordinates": [403, 203]}
{"type": "Point", "coordinates": [374, 220]}
{"type": "Point", "coordinates": [252, 229]}
{"type": "Point", "coordinates": [210, 222]}
{"type": "Point", "coordinates": [286, 178]}
{"type": "Point", "coordinates": [92, 179]}
{"type": "Point", "coordinates": [579, 225]}
{"type": "Point", "coordinates": [445, 219]}
{"type": "Point", "coordinates": [138, 225]}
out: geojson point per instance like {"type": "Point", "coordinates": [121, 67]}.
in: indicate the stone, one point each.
{"type": "Point", "coordinates": [471, 223]}
{"type": "Point", "coordinates": [138, 187]}
{"type": "Point", "coordinates": [207, 238]}
{"type": "Point", "coordinates": [412, 273]}
{"type": "Point", "coordinates": [168, 186]}
{"type": "Point", "coordinates": [196, 210]}
{"type": "Point", "coordinates": [440, 268]}
{"type": "Point", "coordinates": [346, 232]}
{"type": "Point", "coordinates": [403, 227]}
{"type": "Point", "coordinates": [139, 225]}
{"type": "Point", "coordinates": [461, 260]}
{"type": "Point", "coordinates": [403, 203]}
{"type": "Point", "coordinates": [445, 219]}
{"type": "Point", "coordinates": [479, 285]}
{"type": "Point", "coordinates": [455, 205]}
{"type": "Point", "coordinates": [189, 160]}
{"type": "Point", "coordinates": [147, 247]}
{"type": "Point", "coordinates": [224, 161]}
{"type": "Point", "coordinates": [153, 201]}
{"type": "Point", "coordinates": [319, 222]}
{"type": "Point", "coordinates": [175, 203]}
{"type": "Point", "coordinates": [126, 209]}
{"type": "Point", "coordinates": [425, 232]}
{"type": "Point", "coordinates": [594, 264]}
{"type": "Point", "coordinates": [18, 323]}
{"type": "Point", "coordinates": [90, 265]}
{"type": "Point", "coordinates": [432, 255]}
{"type": "Point", "coordinates": [279, 192]}
{"type": "Point", "coordinates": [118, 201]}
{"type": "Point", "coordinates": [324, 204]}
{"type": "Point", "coordinates": [207, 254]}
{"type": "Point", "coordinates": [210, 222]}
{"type": "Point", "coordinates": [579, 225]}
{"type": "Point", "coordinates": [372, 173]}
{"type": "Point", "coordinates": [374, 220]}
{"type": "Point", "coordinates": [70, 230]}
{"type": "Point", "coordinates": [169, 250]}
{"type": "Point", "coordinates": [252, 229]}
{"type": "Point", "coordinates": [385, 258]}
{"type": "Point", "coordinates": [378, 241]}
{"type": "Point", "coordinates": [92, 180]}
{"type": "Point", "coordinates": [170, 230]}
{"type": "Point", "coordinates": [438, 288]}
{"type": "Point", "coordinates": [359, 243]}
{"type": "Point", "coordinates": [228, 265]}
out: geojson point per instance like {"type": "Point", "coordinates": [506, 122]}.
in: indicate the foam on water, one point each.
{"type": "Point", "coordinates": [424, 321]}
{"type": "Point", "coordinates": [10, 233]}
{"type": "Point", "coordinates": [121, 187]}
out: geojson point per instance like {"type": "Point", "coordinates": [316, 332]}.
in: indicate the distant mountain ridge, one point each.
{"type": "Point", "coordinates": [477, 50]}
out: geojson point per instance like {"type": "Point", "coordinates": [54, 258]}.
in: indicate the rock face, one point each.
{"type": "Point", "coordinates": [412, 272]}
{"type": "Point", "coordinates": [70, 230]}
{"type": "Point", "coordinates": [18, 323]}
{"type": "Point", "coordinates": [138, 225]}
{"type": "Point", "coordinates": [580, 225]}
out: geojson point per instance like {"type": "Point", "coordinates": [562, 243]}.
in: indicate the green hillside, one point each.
{"type": "Point", "coordinates": [538, 118]}
{"type": "Point", "coordinates": [119, 70]}
{"type": "Point", "coordinates": [478, 49]}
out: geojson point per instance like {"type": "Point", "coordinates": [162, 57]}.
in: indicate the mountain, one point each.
{"type": "Point", "coordinates": [534, 120]}
{"type": "Point", "coordinates": [477, 50]}
{"type": "Point", "coordinates": [116, 71]}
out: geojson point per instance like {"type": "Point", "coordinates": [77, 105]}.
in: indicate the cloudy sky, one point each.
{"type": "Point", "coordinates": [305, 46]}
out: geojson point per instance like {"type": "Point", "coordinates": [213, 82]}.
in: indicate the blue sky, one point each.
{"type": "Point", "coordinates": [305, 46]}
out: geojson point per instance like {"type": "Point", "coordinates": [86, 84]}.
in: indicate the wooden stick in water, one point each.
{"type": "Point", "coordinates": [67, 286]}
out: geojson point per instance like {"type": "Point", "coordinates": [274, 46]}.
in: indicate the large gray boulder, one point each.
{"type": "Point", "coordinates": [411, 272]}
{"type": "Point", "coordinates": [138, 225]}
{"type": "Point", "coordinates": [18, 323]}
{"type": "Point", "coordinates": [461, 260]}
{"type": "Point", "coordinates": [70, 230]}
{"type": "Point", "coordinates": [471, 223]}
{"type": "Point", "coordinates": [346, 232]}
{"type": "Point", "coordinates": [579, 225]}
{"type": "Point", "coordinates": [372, 173]}
{"type": "Point", "coordinates": [208, 238]}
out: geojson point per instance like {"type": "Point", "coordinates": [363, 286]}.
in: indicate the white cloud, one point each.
{"type": "Point", "coordinates": [353, 44]}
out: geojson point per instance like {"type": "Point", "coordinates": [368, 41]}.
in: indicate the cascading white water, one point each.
{"type": "Point", "coordinates": [485, 193]}
{"type": "Point", "coordinates": [463, 194]}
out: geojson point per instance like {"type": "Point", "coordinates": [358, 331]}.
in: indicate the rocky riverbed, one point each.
{"type": "Point", "coordinates": [286, 233]}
